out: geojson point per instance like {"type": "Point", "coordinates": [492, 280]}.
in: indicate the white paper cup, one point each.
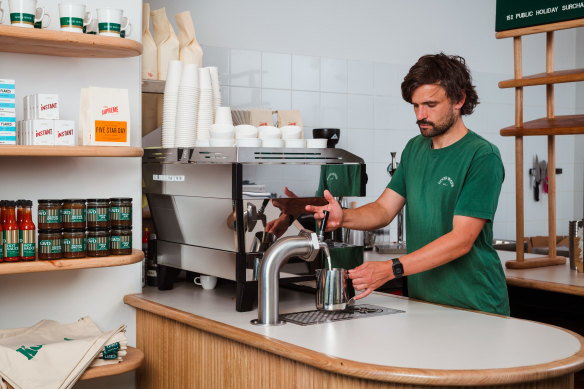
{"type": "Point", "coordinates": [25, 13]}
{"type": "Point", "coordinates": [223, 116]}
{"type": "Point", "coordinates": [207, 282]}
{"type": "Point", "coordinates": [221, 131]}
{"type": "Point", "coordinates": [204, 79]}
{"type": "Point", "coordinates": [248, 142]}
{"type": "Point", "coordinates": [278, 143]}
{"type": "Point", "coordinates": [73, 17]}
{"type": "Point", "coordinates": [291, 132]}
{"type": "Point", "coordinates": [110, 21]}
{"type": "Point", "coordinates": [316, 143]}
{"type": "Point", "coordinates": [269, 132]}
{"type": "Point", "coordinates": [246, 131]}
{"type": "Point", "coordinates": [173, 76]}
{"type": "Point", "coordinates": [221, 142]}
{"type": "Point", "coordinates": [294, 143]}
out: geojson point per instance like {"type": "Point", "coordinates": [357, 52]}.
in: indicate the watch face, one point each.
{"type": "Point", "coordinates": [398, 268]}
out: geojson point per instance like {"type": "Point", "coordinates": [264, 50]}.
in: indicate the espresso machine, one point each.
{"type": "Point", "coordinates": [208, 205]}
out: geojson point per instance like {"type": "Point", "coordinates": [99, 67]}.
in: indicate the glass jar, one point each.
{"type": "Point", "coordinates": [98, 242]}
{"type": "Point", "coordinates": [121, 241]}
{"type": "Point", "coordinates": [121, 212]}
{"type": "Point", "coordinates": [98, 213]}
{"type": "Point", "coordinates": [50, 244]}
{"type": "Point", "coordinates": [74, 214]}
{"type": "Point", "coordinates": [74, 243]}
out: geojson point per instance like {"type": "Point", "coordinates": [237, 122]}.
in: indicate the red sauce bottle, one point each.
{"type": "Point", "coordinates": [27, 247]}
{"type": "Point", "coordinates": [10, 233]}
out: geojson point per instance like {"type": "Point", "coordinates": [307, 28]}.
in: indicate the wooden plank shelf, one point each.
{"type": "Point", "coordinates": [69, 151]}
{"type": "Point", "coordinates": [70, 264]}
{"type": "Point", "coordinates": [153, 86]}
{"type": "Point", "coordinates": [131, 362]}
{"type": "Point", "coordinates": [541, 28]}
{"type": "Point", "coordinates": [560, 125]}
{"type": "Point", "coordinates": [65, 44]}
{"type": "Point", "coordinates": [558, 77]}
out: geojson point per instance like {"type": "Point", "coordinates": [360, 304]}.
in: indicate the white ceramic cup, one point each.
{"type": "Point", "coordinates": [73, 17]}
{"type": "Point", "coordinates": [207, 282]}
{"type": "Point", "coordinates": [291, 132]}
{"type": "Point", "coordinates": [111, 22]}
{"type": "Point", "coordinates": [248, 142]}
{"type": "Point", "coordinates": [25, 13]}
{"type": "Point", "coordinates": [294, 143]}
{"type": "Point", "coordinates": [272, 142]}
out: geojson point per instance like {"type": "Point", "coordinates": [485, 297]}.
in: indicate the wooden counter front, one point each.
{"type": "Point", "coordinates": [195, 338]}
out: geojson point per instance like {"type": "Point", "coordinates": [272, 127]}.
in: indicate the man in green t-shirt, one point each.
{"type": "Point", "coordinates": [450, 179]}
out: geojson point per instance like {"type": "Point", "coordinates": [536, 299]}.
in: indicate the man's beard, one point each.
{"type": "Point", "coordinates": [438, 129]}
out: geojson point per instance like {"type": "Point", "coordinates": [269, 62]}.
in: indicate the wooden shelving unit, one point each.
{"type": "Point", "coordinates": [69, 151]}
{"type": "Point", "coordinates": [70, 264]}
{"type": "Point", "coordinates": [65, 44]}
{"type": "Point", "coordinates": [131, 361]}
{"type": "Point", "coordinates": [549, 126]}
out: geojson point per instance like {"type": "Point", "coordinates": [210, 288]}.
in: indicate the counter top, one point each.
{"type": "Point", "coordinates": [427, 343]}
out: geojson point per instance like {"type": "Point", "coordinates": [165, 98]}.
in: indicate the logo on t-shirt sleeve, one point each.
{"type": "Point", "coordinates": [446, 181]}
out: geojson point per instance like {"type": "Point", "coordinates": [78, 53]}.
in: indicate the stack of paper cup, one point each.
{"type": "Point", "coordinates": [223, 116]}
{"type": "Point", "coordinates": [205, 107]}
{"type": "Point", "coordinates": [216, 89]}
{"type": "Point", "coordinates": [186, 112]}
{"type": "Point", "coordinates": [170, 103]}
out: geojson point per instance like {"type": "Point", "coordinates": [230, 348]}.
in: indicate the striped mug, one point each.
{"type": "Point", "coordinates": [73, 17]}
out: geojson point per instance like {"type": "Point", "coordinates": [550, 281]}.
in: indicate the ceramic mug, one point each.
{"type": "Point", "coordinates": [25, 13]}
{"type": "Point", "coordinates": [207, 282]}
{"type": "Point", "coordinates": [111, 22]}
{"type": "Point", "coordinates": [73, 17]}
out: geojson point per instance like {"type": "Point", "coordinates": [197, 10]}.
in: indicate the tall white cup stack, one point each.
{"type": "Point", "coordinates": [170, 104]}
{"type": "Point", "coordinates": [186, 113]}
{"type": "Point", "coordinates": [214, 72]}
{"type": "Point", "coordinates": [205, 108]}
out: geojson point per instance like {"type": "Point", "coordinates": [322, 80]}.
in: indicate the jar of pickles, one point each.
{"type": "Point", "coordinates": [49, 215]}
{"type": "Point", "coordinates": [98, 242]}
{"type": "Point", "coordinates": [121, 212]}
{"type": "Point", "coordinates": [98, 213]}
{"type": "Point", "coordinates": [121, 241]}
{"type": "Point", "coordinates": [74, 213]}
{"type": "Point", "coordinates": [50, 244]}
{"type": "Point", "coordinates": [74, 243]}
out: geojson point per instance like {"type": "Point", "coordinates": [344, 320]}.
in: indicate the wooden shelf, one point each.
{"type": "Point", "coordinates": [69, 151]}
{"type": "Point", "coordinates": [153, 86]}
{"type": "Point", "coordinates": [70, 264]}
{"type": "Point", "coordinates": [65, 44]}
{"type": "Point", "coordinates": [542, 28]}
{"type": "Point", "coordinates": [131, 361]}
{"type": "Point", "coordinates": [561, 76]}
{"type": "Point", "coordinates": [560, 125]}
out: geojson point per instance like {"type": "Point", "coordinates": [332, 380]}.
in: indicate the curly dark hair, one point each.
{"type": "Point", "coordinates": [450, 72]}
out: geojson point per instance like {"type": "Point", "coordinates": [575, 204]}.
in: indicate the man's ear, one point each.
{"type": "Point", "coordinates": [458, 106]}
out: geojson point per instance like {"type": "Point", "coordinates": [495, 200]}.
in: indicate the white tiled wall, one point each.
{"type": "Point", "coordinates": [364, 100]}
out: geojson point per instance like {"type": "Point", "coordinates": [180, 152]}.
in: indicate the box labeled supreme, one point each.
{"type": "Point", "coordinates": [104, 117]}
{"type": "Point", "coordinates": [527, 13]}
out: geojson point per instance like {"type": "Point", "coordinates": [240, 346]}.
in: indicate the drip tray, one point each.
{"type": "Point", "coordinates": [360, 311]}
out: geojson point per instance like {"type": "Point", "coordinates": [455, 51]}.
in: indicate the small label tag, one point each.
{"type": "Point", "coordinates": [164, 177]}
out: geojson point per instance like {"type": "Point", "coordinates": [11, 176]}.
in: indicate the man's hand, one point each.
{"type": "Point", "coordinates": [370, 276]}
{"type": "Point", "coordinates": [278, 226]}
{"type": "Point", "coordinates": [335, 219]}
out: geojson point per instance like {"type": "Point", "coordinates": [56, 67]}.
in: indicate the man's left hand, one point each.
{"type": "Point", "coordinates": [370, 276]}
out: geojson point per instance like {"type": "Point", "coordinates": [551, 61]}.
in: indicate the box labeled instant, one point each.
{"type": "Point", "coordinates": [65, 132]}
{"type": "Point", "coordinates": [526, 13]}
{"type": "Point", "coordinates": [42, 132]}
{"type": "Point", "coordinates": [45, 106]}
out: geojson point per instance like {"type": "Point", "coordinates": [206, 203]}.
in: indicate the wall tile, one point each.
{"type": "Point", "coordinates": [276, 71]}
{"type": "Point", "coordinates": [333, 74]}
{"type": "Point", "coordinates": [387, 79]}
{"type": "Point", "coordinates": [360, 111]}
{"type": "Point", "coordinates": [245, 97]}
{"type": "Point", "coordinates": [309, 105]}
{"type": "Point", "coordinates": [277, 99]}
{"type": "Point", "coordinates": [402, 115]}
{"type": "Point", "coordinates": [305, 73]}
{"type": "Point", "coordinates": [225, 96]}
{"type": "Point", "coordinates": [246, 67]}
{"type": "Point", "coordinates": [360, 77]}
{"type": "Point", "coordinates": [361, 143]}
{"type": "Point", "coordinates": [381, 112]}
{"type": "Point", "coordinates": [333, 110]}
{"type": "Point", "coordinates": [219, 57]}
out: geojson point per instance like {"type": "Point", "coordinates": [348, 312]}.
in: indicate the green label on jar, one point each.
{"type": "Point", "coordinates": [49, 216]}
{"type": "Point", "coordinates": [121, 242]}
{"type": "Point", "coordinates": [76, 215]}
{"type": "Point", "coordinates": [74, 245]}
{"type": "Point", "coordinates": [97, 214]}
{"type": "Point", "coordinates": [121, 213]}
{"type": "Point", "coordinates": [50, 246]}
{"type": "Point", "coordinates": [98, 244]}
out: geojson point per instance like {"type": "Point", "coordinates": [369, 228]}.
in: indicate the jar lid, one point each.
{"type": "Point", "coordinates": [97, 229]}
{"type": "Point", "coordinates": [122, 228]}
{"type": "Point", "coordinates": [73, 230]}
{"type": "Point", "coordinates": [74, 201]}
{"type": "Point", "coordinates": [46, 201]}
{"type": "Point", "coordinates": [98, 200]}
{"type": "Point", "coordinates": [50, 230]}
{"type": "Point", "coordinates": [121, 199]}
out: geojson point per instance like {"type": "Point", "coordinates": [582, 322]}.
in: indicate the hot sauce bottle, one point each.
{"type": "Point", "coordinates": [10, 233]}
{"type": "Point", "coordinates": [27, 233]}
{"type": "Point", "coordinates": [19, 210]}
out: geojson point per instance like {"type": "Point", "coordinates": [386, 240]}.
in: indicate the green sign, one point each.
{"type": "Point", "coordinates": [525, 13]}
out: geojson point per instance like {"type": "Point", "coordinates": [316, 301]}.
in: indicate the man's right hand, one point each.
{"type": "Point", "coordinates": [335, 219]}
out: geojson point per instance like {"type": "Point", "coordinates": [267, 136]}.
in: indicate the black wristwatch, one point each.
{"type": "Point", "coordinates": [398, 268]}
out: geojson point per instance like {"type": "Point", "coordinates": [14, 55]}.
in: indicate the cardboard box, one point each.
{"type": "Point", "coordinates": [542, 241]}
{"type": "Point", "coordinates": [525, 13]}
{"type": "Point", "coordinates": [7, 112]}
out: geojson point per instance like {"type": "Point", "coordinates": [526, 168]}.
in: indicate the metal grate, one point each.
{"type": "Point", "coordinates": [307, 318]}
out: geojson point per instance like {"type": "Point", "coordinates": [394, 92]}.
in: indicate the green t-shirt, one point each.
{"type": "Point", "coordinates": [465, 179]}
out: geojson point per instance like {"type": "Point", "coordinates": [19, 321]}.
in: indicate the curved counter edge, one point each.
{"type": "Point", "coordinates": [364, 370]}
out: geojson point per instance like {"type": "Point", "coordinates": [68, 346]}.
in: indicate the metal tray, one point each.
{"type": "Point", "coordinates": [360, 311]}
